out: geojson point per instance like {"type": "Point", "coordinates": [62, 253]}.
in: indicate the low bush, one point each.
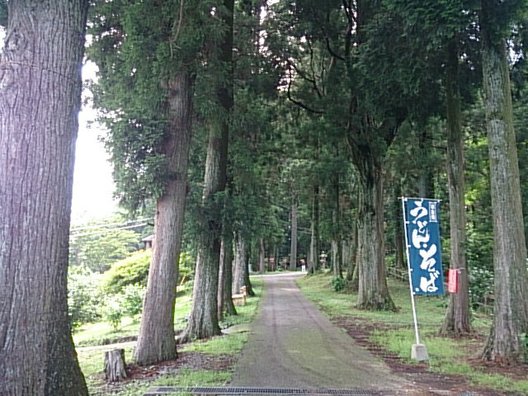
{"type": "Point", "coordinates": [132, 299]}
{"type": "Point", "coordinates": [84, 296]}
{"type": "Point", "coordinates": [131, 271]}
{"type": "Point", "coordinates": [338, 283]}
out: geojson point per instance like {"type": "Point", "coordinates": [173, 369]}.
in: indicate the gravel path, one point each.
{"type": "Point", "coordinates": [293, 345]}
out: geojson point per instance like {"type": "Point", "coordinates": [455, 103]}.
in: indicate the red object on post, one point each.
{"type": "Point", "coordinates": [452, 283]}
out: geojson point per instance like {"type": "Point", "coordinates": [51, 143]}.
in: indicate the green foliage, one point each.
{"type": "Point", "coordinates": [84, 297]}
{"type": "Point", "coordinates": [186, 267]}
{"type": "Point", "coordinates": [113, 311]}
{"type": "Point", "coordinates": [338, 283]}
{"type": "Point", "coordinates": [138, 47]}
{"type": "Point", "coordinates": [133, 271]}
{"type": "Point", "coordinates": [98, 248]}
{"type": "Point", "coordinates": [132, 301]}
{"type": "Point", "coordinates": [481, 285]}
{"type": "Point", "coordinates": [128, 302]}
{"type": "Point", "coordinates": [130, 271]}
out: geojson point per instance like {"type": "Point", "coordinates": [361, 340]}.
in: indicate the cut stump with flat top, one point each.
{"type": "Point", "coordinates": [114, 364]}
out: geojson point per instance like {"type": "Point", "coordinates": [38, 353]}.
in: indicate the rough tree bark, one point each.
{"type": "Point", "coordinates": [457, 320]}
{"type": "Point", "coordinates": [40, 98]}
{"type": "Point", "coordinates": [239, 263]}
{"type": "Point", "coordinates": [510, 320]}
{"type": "Point", "coordinates": [115, 365]}
{"type": "Point", "coordinates": [425, 183]}
{"type": "Point", "coordinates": [203, 320]}
{"type": "Point", "coordinates": [225, 278]}
{"type": "Point", "coordinates": [337, 252]}
{"type": "Point", "coordinates": [293, 242]}
{"type": "Point", "coordinates": [156, 340]}
{"type": "Point", "coordinates": [373, 293]}
{"type": "Point", "coordinates": [241, 266]}
{"type": "Point", "coordinates": [262, 256]}
{"type": "Point", "coordinates": [368, 139]}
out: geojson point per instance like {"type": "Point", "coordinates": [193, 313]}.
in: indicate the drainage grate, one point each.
{"type": "Point", "coordinates": [168, 390]}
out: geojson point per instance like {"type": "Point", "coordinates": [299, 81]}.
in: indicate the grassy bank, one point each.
{"type": "Point", "coordinates": [178, 374]}
{"type": "Point", "coordinates": [395, 332]}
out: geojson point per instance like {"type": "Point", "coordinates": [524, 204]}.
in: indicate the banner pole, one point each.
{"type": "Point", "coordinates": [413, 305]}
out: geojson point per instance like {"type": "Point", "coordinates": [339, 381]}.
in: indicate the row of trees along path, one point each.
{"type": "Point", "coordinates": [307, 93]}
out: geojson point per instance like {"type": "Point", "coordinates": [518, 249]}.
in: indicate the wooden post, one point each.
{"type": "Point", "coordinates": [114, 364]}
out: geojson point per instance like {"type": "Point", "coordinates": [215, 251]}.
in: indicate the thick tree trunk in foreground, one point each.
{"type": "Point", "coordinates": [506, 342]}
{"type": "Point", "coordinates": [156, 340]}
{"type": "Point", "coordinates": [203, 320]}
{"type": "Point", "coordinates": [373, 293]}
{"type": "Point", "coordinates": [457, 319]}
{"type": "Point", "coordinates": [40, 93]}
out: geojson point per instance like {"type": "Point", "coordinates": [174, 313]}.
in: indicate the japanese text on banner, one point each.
{"type": "Point", "coordinates": [424, 251]}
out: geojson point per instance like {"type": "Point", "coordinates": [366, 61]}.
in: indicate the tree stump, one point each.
{"type": "Point", "coordinates": [114, 364]}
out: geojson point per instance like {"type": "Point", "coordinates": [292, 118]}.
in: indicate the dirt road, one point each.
{"type": "Point", "coordinates": [293, 345]}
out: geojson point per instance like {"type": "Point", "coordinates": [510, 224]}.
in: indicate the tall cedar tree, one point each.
{"type": "Point", "coordinates": [330, 80]}
{"type": "Point", "coordinates": [203, 319]}
{"type": "Point", "coordinates": [146, 56]}
{"type": "Point", "coordinates": [457, 319]}
{"type": "Point", "coordinates": [40, 98]}
{"type": "Point", "coordinates": [449, 27]}
{"type": "Point", "coordinates": [506, 342]}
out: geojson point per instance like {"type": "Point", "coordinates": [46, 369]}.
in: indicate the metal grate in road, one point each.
{"type": "Point", "coordinates": [168, 390]}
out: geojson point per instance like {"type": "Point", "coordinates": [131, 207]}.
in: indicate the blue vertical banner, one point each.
{"type": "Point", "coordinates": [422, 234]}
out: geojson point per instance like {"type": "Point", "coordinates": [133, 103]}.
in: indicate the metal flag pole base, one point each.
{"type": "Point", "coordinates": [419, 353]}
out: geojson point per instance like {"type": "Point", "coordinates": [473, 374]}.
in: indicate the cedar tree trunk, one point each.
{"type": "Point", "coordinates": [293, 242]}
{"type": "Point", "coordinates": [156, 340]}
{"type": "Point", "coordinates": [203, 320]}
{"type": "Point", "coordinates": [40, 98]}
{"type": "Point", "coordinates": [373, 293]}
{"type": "Point", "coordinates": [225, 278]}
{"type": "Point", "coordinates": [239, 263]}
{"type": "Point", "coordinates": [506, 342]}
{"type": "Point", "coordinates": [262, 256]}
{"type": "Point", "coordinates": [457, 319]}
{"type": "Point", "coordinates": [313, 258]}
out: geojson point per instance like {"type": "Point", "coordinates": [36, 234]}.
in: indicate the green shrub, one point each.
{"type": "Point", "coordinates": [84, 297]}
{"type": "Point", "coordinates": [338, 283]}
{"type": "Point", "coordinates": [134, 271]}
{"type": "Point", "coordinates": [114, 310]}
{"type": "Point", "coordinates": [481, 284]}
{"type": "Point", "coordinates": [132, 299]}
{"type": "Point", "coordinates": [186, 267]}
{"type": "Point", "coordinates": [131, 271]}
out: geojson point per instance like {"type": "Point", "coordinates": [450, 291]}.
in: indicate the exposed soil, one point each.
{"type": "Point", "coordinates": [432, 383]}
{"type": "Point", "coordinates": [185, 361]}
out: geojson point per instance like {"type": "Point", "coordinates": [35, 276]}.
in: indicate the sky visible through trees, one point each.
{"type": "Point", "coordinates": [247, 116]}
{"type": "Point", "coordinates": [93, 186]}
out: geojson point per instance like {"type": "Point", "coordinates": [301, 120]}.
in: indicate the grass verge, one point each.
{"type": "Point", "coordinates": [394, 332]}
{"type": "Point", "coordinates": [222, 348]}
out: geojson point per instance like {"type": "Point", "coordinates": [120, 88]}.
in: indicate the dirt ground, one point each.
{"type": "Point", "coordinates": [361, 330]}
